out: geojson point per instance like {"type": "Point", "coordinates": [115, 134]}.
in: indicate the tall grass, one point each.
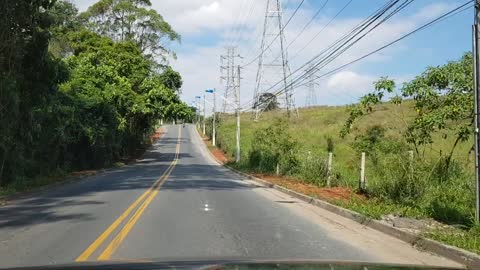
{"type": "Point", "coordinates": [425, 185]}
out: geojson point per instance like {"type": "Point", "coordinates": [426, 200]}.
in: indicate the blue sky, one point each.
{"type": "Point", "coordinates": [207, 26]}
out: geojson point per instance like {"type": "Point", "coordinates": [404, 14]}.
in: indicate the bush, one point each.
{"type": "Point", "coordinates": [313, 170]}
{"type": "Point", "coordinates": [254, 159]}
{"type": "Point", "coordinates": [399, 179]}
{"type": "Point", "coordinates": [452, 202]}
{"type": "Point", "coordinates": [370, 142]}
{"type": "Point", "coordinates": [273, 146]}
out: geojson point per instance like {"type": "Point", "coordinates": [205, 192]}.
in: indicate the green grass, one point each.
{"type": "Point", "coordinates": [466, 239]}
{"type": "Point", "coordinates": [377, 208]}
{"type": "Point", "coordinates": [314, 125]}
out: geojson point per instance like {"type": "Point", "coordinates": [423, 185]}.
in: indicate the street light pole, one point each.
{"type": "Point", "coordinates": [204, 113]}
{"type": "Point", "coordinates": [214, 114]}
{"type": "Point", "coordinates": [214, 118]}
{"type": "Point", "coordinates": [476, 89]}
{"type": "Point", "coordinates": [237, 94]}
{"type": "Point", "coordinates": [197, 103]}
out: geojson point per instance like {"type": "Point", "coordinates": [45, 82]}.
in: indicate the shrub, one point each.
{"type": "Point", "coordinates": [452, 202]}
{"type": "Point", "coordinates": [273, 146]}
{"type": "Point", "coordinates": [313, 169]}
{"type": "Point", "coordinates": [399, 179]}
{"type": "Point", "coordinates": [370, 141]}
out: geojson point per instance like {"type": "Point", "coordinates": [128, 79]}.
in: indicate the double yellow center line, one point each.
{"type": "Point", "coordinates": [144, 200]}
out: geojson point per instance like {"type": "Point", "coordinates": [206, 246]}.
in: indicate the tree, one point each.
{"type": "Point", "coordinates": [131, 20]}
{"type": "Point", "coordinates": [366, 105]}
{"type": "Point", "coordinates": [64, 20]}
{"type": "Point", "coordinates": [267, 102]}
{"type": "Point", "coordinates": [171, 79]}
{"type": "Point", "coordinates": [444, 101]}
{"type": "Point", "coordinates": [443, 97]}
{"type": "Point", "coordinates": [28, 77]}
{"type": "Point", "coordinates": [71, 98]}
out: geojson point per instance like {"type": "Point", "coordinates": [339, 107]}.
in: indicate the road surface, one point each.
{"type": "Point", "coordinates": [177, 203]}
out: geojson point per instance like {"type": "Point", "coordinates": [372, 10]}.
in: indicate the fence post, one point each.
{"type": "Point", "coordinates": [329, 168]}
{"type": "Point", "coordinates": [161, 122]}
{"type": "Point", "coordinates": [278, 169]}
{"type": "Point", "coordinates": [363, 184]}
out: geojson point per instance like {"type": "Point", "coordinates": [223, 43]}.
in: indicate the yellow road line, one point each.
{"type": "Point", "coordinates": [94, 246]}
{"type": "Point", "coordinates": [113, 246]}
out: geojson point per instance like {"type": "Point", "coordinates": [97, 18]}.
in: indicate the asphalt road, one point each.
{"type": "Point", "coordinates": [177, 203]}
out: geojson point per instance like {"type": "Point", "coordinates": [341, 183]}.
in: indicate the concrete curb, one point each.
{"type": "Point", "coordinates": [469, 259]}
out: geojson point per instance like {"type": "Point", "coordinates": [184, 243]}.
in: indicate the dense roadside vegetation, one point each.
{"type": "Point", "coordinates": [80, 91]}
{"type": "Point", "coordinates": [417, 139]}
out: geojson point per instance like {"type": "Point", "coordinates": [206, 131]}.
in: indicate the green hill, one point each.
{"type": "Point", "coordinates": [398, 185]}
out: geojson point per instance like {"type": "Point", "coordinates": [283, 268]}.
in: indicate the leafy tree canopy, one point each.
{"type": "Point", "coordinates": [131, 20]}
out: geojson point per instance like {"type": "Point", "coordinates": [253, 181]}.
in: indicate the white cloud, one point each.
{"type": "Point", "coordinates": [199, 65]}
{"type": "Point", "coordinates": [349, 82]}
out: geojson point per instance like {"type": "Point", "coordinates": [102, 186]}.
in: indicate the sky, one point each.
{"type": "Point", "coordinates": [207, 26]}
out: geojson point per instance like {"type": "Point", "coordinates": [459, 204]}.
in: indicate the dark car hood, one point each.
{"type": "Point", "coordinates": [226, 264]}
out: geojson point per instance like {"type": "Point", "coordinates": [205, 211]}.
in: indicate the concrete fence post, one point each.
{"type": "Point", "coordinates": [363, 184]}
{"type": "Point", "coordinates": [410, 165]}
{"type": "Point", "coordinates": [329, 168]}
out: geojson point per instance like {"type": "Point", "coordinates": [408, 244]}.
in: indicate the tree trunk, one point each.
{"type": "Point", "coordinates": [449, 158]}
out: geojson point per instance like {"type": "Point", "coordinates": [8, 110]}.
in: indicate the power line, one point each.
{"type": "Point", "coordinates": [445, 16]}
{"type": "Point", "coordinates": [323, 28]}
{"type": "Point", "coordinates": [242, 23]}
{"type": "Point", "coordinates": [308, 24]}
{"type": "Point", "coordinates": [229, 35]}
{"type": "Point", "coordinates": [276, 37]}
{"type": "Point", "coordinates": [337, 52]}
{"type": "Point", "coordinates": [305, 26]}
{"type": "Point", "coordinates": [354, 32]}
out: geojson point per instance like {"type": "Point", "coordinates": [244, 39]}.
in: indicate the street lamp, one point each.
{"type": "Point", "coordinates": [197, 101]}
{"type": "Point", "coordinates": [212, 91]}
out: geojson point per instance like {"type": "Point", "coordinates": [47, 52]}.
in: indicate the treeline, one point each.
{"type": "Point", "coordinates": [81, 91]}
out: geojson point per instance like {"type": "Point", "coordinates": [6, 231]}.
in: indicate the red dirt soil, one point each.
{"type": "Point", "coordinates": [157, 135]}
{"type": "Point", "coordinates": [217, 153]}
{"type": "Point", "coordinates": [328, 194]}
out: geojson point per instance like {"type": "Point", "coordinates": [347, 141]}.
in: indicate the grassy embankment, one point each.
{"type": "Point", "coordinates": [420, 189]}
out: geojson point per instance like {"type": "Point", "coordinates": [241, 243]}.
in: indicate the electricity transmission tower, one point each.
{"type": "Point", "coordinates": [228, 75]}
{"type": "Point", "coordinates": [271, 68]}
{"type": "Point", "coordinates": [311, 98]}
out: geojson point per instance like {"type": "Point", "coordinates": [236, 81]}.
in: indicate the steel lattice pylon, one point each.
{"type": "Point", "coordinates": [273, 64]}
{"type": "Point", "coordinates": [311, 98]}
{"type": "Point", "coordinates": [229, 74]}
